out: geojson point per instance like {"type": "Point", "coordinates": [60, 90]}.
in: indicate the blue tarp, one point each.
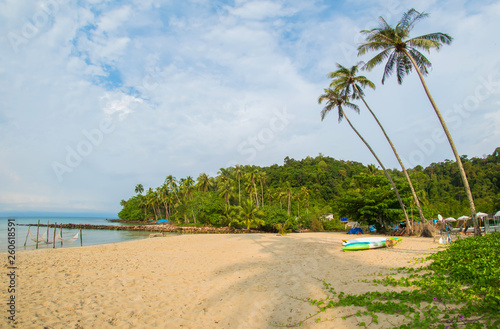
{"type": "Point", "coordinates": [355, 230]}
{"type": "Point", "coordinates": [163, 221]}
{"type": "Point", "coordinates": [343, 219]}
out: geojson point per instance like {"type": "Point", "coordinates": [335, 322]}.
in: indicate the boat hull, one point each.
{"type": "Point", "coordinates": [367, 243]}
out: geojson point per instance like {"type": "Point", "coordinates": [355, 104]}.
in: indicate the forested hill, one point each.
{"type": "Point", "coordinates": [311, 187]}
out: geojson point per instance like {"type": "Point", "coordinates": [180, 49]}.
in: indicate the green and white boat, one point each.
{"type": "Point", "coordinates": [367, 243]}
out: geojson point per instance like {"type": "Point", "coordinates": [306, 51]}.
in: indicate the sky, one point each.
{"type": "Point", "coordinates": [99, 96]}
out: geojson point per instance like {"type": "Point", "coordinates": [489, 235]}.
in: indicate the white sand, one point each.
{"type": "Point", "coordinates": [198, 281]}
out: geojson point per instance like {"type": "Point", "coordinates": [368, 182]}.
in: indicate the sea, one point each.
{"type": "Point", "coordinates": [89, 237]}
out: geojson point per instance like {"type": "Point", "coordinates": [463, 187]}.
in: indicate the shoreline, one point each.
{"type": "Point", "coordinates": [200, 281]}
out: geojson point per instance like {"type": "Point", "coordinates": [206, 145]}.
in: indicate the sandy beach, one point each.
{"type": "Point", "coordinates": [198, 281]}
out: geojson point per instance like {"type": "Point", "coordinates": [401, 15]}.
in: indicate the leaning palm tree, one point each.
{"type": "Point", "coordinates": [350, 84]}
{"type": "Point", "coordinates": [335, 100]}
{"type": "Point", "coordinates": [402, 54]}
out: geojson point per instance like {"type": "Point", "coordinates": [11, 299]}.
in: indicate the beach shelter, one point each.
{"type": "Point", "coordinates": [496, 220]}
{"type": "Point", "coordinates": [481, 215]}
{"type": "Point", "coordinates": [163, 221]}
{"type": "Point", "coordinates": [450, 219]}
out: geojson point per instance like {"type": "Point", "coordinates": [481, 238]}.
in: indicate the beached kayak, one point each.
{"type": "Point", "coordinates": [367, 243]}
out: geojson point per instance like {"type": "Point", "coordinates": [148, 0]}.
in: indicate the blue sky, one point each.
{"type": "Point", "coordinates": [98, 96]}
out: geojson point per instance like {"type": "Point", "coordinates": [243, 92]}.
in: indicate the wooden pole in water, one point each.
{"type": "Point", "coordinates": [37, 230]}
{"type": "Point", "coordinates": [55, 230]}
{"type": "Point", "coordinates": [27, 235]}
{"type": "Point", "coordinates": [60, 234]}
{"type": "Point", "coordinates": [47, 232]}
{"type": "Point", "coordinates": [81, 237]}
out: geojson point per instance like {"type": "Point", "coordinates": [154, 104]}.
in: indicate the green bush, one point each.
{"type": "Point", "coordinates": [275, 215]}
{"type": "Point", "coordinates": [333, 225]}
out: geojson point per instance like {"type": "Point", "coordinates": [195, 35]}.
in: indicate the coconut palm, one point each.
{"type": "Point", "coordinates": [251, 215]}
{"type": "Point", "coordinates": [402, 55]}
{"type": "Point", "coordinates": [350, 84]}
{"type": "Point", "coordinates": [139, 189]}
{"type": "Point", "coordinates": [288, 191]}
{"type": "Point", "coordinates": [204, 182]}
{"type": "Point", "coordinates": [335, 100]}
{"type": "Point", "coordinates": [252, 176]}
{"type": "Point", "coordinates": [225, 188]}
{"type": "Point", "coordinates": [239, 175]}
{"type": "Point", "coordinates": [262, 180]}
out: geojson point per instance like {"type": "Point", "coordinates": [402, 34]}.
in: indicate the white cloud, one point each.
{"type": "Point", "coordinates": [191, 88]}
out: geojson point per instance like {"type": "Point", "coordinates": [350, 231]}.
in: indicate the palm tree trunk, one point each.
{"type": "Point", "coordinates": [415, 198]}
{"type": "Point", "coordinates": [477, 229]}
{"type": "Point", "coordinates": [383, 168]}
{"type": "Point", "coordinates": [239, 192]}
{"type": "Point", "coordinates": [256, 194]}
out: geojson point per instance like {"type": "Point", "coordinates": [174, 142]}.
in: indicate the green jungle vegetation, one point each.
{"type": "Point", "coordinates": [302, 192]}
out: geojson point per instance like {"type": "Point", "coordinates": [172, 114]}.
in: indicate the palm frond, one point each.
{"type": "Point", "coordinates": [422, 62]}
{"type": "Point", "coordinates": [377, 59]}
{"type": "Point", "coordinates": [352, 106]}
{"type": "Point", "coordinates": [403, 66]}
{"type": "Point", "coordinates": [432, 40]}
{"type": "Point", "coordinates": [364, 82]}
{"type": "Point", "coordinates": [360, 93]}
{"type": "Point", "coordinates": [389, 66]}
{"type": "Point", "coordinates": [410, 18]}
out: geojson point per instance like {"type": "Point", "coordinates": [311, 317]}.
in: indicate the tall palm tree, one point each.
{"type": "Point", "coordinates": [335, 100]}
{"type": "Point", "coordinates": [288, 190]}
{"type": "Point", "coordinates": [252, 176]}
{"type": "Point", "coordinates": [225, 188]}
{"type": "Point", "coordinates": [172, 185]}
{"type": "Point", "coordinates": [239, 175]}
{"type": "Point", "coordinates": [402, 54]}
{"type": "Point", "coordinates": [262, 180]}
{"type": "Point", "coordinates": [351, 84]}
{"type": "Point", "coordinates": [203, 182]}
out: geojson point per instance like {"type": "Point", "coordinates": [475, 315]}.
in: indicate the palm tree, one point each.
{"type": "Point", "coordinates": [288, 190]}
{"type": "Point", "coordinates": [203, 182]}
{"type": "Point", "coordinates": [251, 214]}
{"type": "Point", "coordinates": [139, 188]}
{"type": "Point", "coordinates": [239, 175]}
{"type": "Point", "coordinates": [172, 185]}
{"type": "Point", "coordinates": [262, 180]}
{"type": "Point", "coordinates": [252, 176]}
{"type": "Point", "coordinates": [335, 100]}
{"type": "Point", "coordinates": [402, 54]}
{"type": "Point", "coordinates": [187, 188]}
{"type": "Point", "coordinates": [350, 84]}
{"type": "Point", "coordinates": [225, 189]}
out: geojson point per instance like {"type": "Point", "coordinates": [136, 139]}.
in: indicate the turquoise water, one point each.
{"type": "Point", "coordinates": [89, 237]}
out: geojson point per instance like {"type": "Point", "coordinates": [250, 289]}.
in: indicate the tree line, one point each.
{"type": "Point", "coordinates": [302, 192]}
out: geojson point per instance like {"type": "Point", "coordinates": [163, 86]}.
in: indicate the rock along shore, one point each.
{"type": "Point", "coordinates": [167, 228]}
